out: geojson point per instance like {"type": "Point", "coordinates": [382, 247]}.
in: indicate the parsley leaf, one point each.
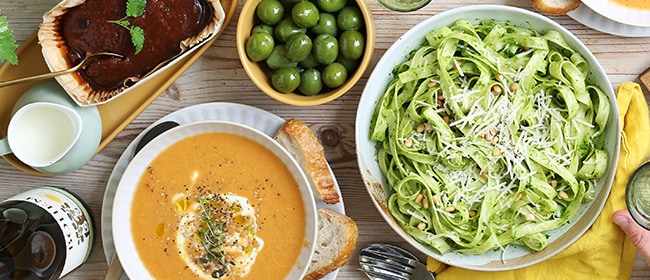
{"type": "Point", "coordinates": [121, 22]}
{"type": "Point", "coordinates": [137, 38]}
{"type": "Point", "coordinates": [135, 8]}
{"type": "Point", "coordinates": [8, 44]}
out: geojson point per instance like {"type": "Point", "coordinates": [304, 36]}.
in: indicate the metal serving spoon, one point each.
{"type": "Point", "coordinates": [82, 65]}
{"type": "Point", "coordinates": [153, 133]}
{"type": "Point", "coordinates": [385, 261]}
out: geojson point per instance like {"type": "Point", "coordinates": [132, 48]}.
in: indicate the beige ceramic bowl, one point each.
{"type": "Point", "coordinates": [260, 74]}
{"type": "Point", "coordinates": [512, 257]}
{"type": "Point", "coordinates": [123, 233]}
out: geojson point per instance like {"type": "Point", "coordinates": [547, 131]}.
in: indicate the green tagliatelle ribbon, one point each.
{"type": "Point", "coordinates": [490, 135]}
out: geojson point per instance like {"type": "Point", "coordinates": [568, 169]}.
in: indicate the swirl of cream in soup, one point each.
{"type": "Point", "coordinates": [217, 235]}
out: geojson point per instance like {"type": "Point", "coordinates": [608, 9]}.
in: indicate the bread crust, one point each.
{"type": "Point", "coordinates": [546, 7]}
{"type": "Point", "coordinates": [346, 232]}
{"type": "Point", "coordinates": [300, 141]}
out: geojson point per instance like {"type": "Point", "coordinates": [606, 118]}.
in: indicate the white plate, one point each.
{"type": "Point", "coordinates": [585, 15]}
{"type": "Point", "coordinates": [620, 13]}
{"type": "Point", "coordinates": [259, 119]}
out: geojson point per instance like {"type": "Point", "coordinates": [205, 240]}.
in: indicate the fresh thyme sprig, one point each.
{"type": "Point", "coordinates": [212, 233]}
{"type": "Point", "coordinates": [134, 8]}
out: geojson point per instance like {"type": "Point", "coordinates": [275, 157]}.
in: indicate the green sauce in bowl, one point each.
{"type": "Point", "coordinates": [637, 195]}
{"type": "Point", "coordinates": [404, 5]}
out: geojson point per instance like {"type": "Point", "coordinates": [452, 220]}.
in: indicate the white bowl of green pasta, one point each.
{"type": "Point", "coordinates": [488, 137]}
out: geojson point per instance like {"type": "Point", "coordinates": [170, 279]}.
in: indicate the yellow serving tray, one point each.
{"type": "Point", "coordinates": [116, 114]}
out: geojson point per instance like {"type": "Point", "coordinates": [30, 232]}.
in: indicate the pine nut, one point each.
{"type": "Point", "coordinates": [450, 209]}
{"type": "Point", "coordinates": [418, 199]}
{"type": "Point", "coordinates": [494, 140]}
{"type": "Point", "coordinates": [422, 226]}
{"type": "Point", "coordinates": [431, 84]}
{"type": "Point", "coordinates": [563, 195]}
{"type": "Point", "coordinates": [484, 175]}
{"type": "Point", "coordinates": [496, 90]}
{"type": "Point", "coordinates": [408, 143]}
{"type": "Point", "coordinates": [425, 203]}
{"type": "Point", "coordinates": [436, 199]}
{"type": "Point", "coordinates": [446, 119]}
{"type": "Point", "coordinates": [472, 213]}
{"type": "Point", "coordinates": [514, 86]}
{"type": "Point", "coordinates": [554, 183]}
{"type": "Point", "coordinates": [518, 196]}
{"type": "Point", "coordinates": [498, 77]}
{"type": "Point", "coordinates": [529, 217]}
{"type": "Point", "coordinates": [420, 128]}
{"type": "Point", "coordinates": [496, 152]}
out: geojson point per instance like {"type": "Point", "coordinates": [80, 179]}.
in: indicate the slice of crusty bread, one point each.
{"type": "Point", "coordinates": [555, 7]}
{"type": "Point", "coordinates": [337, 238]}
{"type": "Point", "coordinates": [297, 138]}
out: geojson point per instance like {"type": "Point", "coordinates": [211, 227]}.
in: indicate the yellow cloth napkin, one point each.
{"type": "Point", "coordinates": [603, 252]}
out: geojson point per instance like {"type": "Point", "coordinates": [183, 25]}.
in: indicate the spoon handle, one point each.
{"type": "Point", "coordinates": [38, 77]}
{"type": "Point", "coordinates": [89, 58]}
{"type": "Point", "coordinates": [114, 269]}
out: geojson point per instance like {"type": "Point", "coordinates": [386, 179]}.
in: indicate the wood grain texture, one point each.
{"type": "Point", "coordinates": [219, 76]}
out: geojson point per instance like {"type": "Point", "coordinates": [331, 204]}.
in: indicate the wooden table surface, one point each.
{"type": "Point", "coordinates": [219, 76]}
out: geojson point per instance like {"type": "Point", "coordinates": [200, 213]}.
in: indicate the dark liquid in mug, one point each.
{"type": "Point", "coordinates": [32, 245]}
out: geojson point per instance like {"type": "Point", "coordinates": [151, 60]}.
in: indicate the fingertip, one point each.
{"type": "Point", "coordinates": [621, 213]}
{"type": "Point", "coordinates": [622, 218]}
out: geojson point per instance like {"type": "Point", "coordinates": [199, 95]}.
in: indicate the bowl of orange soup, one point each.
{"type": "Point", "coordinates": [214, 200]}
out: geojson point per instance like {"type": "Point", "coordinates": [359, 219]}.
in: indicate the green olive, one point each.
{"type": "Point", "coordinates": [305, 14]}
{"type": "Point", "coordinates": [350, 65]}
{"type": "Point", "coordinates": [331, 6]}
{"type": "Point", "coordinates": [334, 75]}
{"type": "Point", "coordinates": [286, 79]}
{"type": "Point", "coordinates": [311, 82]}
{"type": "Point", "coordinates": [325, 48]}
{"type": "Point", "coordinates": [277, 59]}
{"type": "Point", "coordinates": [259, 46]}
{"type": "Point", "coordinates": [298, 47]}
{"type": "Point", "coordinates": [264, 28]}
{"type": "Point", "coordinates": [351, 44]}
{"type": "Point", "coordinates": [289, 3]}
{"type": "Point", "coordinates": [270, 11]}
{"type": "Point", "coordinates": [287, 28]}
{"type": "Point", "coordinates": [349, 18]}
{"type": "Point", "coordinates": [309, 62]}
{"type": "Point", "coordinates": [326, 25]}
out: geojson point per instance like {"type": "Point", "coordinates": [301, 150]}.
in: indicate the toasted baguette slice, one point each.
{"type": "Point", "coordinates": [302, 144]}
{"type": "Point", "coordinates": [337, 238]}
{"type": "Point", "coordinates": [555, 7]}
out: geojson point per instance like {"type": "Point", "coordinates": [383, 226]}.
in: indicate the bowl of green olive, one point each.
{"type": "Point", "coordinates": [305, 52]}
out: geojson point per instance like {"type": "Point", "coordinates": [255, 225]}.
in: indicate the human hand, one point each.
{"type": "Point", "coordinates": [636, 234]}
